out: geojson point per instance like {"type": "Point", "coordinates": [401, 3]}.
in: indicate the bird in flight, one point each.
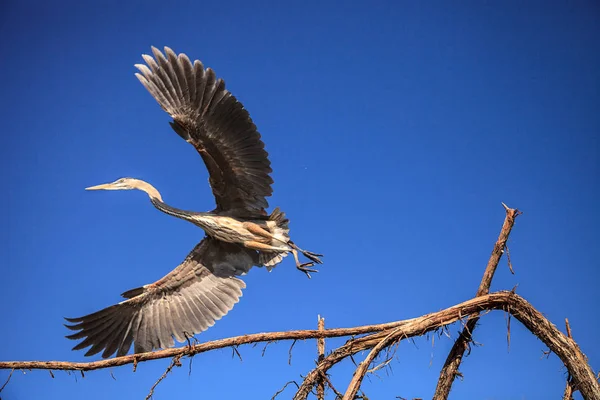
{"type": "Point", "coordinates": [239, 232]}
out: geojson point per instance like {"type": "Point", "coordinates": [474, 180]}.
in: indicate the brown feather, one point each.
{"type": "Point", "coordinates": [217, 125]}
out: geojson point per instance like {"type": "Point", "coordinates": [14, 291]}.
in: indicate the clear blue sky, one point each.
{"type": "Point", "coordinates": [395, 130]}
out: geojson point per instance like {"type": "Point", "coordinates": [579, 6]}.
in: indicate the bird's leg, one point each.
{"type": "Point", "coordinates": [303, 267]}
{"type": "Point", "coordinates": [314, 257]}
{"type": "Point", "coordinates": [255, 245]}
{"type": "Point", "coordinates": [189, 339]}
{"type": "Point", "coordinates": [257, 230]}
{"type": "Point", "coordinates": [252, 244]}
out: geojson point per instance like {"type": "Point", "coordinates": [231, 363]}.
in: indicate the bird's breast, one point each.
{"type": "Point", "coordinates": [226, 229]}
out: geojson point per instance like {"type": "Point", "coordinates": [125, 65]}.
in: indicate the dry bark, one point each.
{"type": "Point", "coordinates": [382, 336]}
{"type": "Point", "coordinates": [321, 355]}
{"type": "Point", "coordinates": [566, 349]}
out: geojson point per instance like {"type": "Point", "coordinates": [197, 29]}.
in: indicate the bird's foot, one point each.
{"type": "Point", "coordinates": [314, 257]}
{"type": "Point", "coordinates": [191, 342]}
{"type": "Point", "coordinates": [305, 268]}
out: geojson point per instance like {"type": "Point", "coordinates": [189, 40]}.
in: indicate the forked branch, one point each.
{"type": "Point", "coordinates": [450, 369]}
{"type": "Point", "coordinates": [566, 349]}
{"type": "Point", "coordinates": [379, 337]}
{"type": "Point", "coordinates": [557, 342]}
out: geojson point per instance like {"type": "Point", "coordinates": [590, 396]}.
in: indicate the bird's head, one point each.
{"type": "Point", "coordinates": [119, 184]}
{"type": "Point", "coordinates": [129, 184]}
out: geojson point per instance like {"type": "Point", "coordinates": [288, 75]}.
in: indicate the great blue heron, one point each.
{"type": "Point", "coordinates": [239, 233]}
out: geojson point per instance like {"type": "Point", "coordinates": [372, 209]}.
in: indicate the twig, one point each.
{"type": "Point", "coordinates": [290, 352]}
{"type": "Point", "coordinates": [174, 362]}
{"type": "Point", "coordinates": [235, 351]}
{"type": "Point", "coordinates": [265, 348]}
{"type": "Point", "coordinates": [450, 369]}
{"type": "Point", "coordinates": [382, 364]}
{"type": "Point", "coordinates": [338, 395]}
{"type": "Point", "coordinates": [507, 331]}
{"type": "Point", "coordinates": [7, 380]}
{"type": "Point", "coordinates": [512, 271]}
{"type": "Point", "coordinates": [321, 355]}
{"type": "Point", "coordinates": [283, 388]}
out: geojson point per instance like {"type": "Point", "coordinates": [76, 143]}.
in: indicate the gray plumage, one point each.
{"type": "Point", "coordinates": [239, 232]}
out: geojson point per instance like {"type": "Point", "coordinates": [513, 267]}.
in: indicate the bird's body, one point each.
{"type": "Point", "coordinates": [265, 234]}
{"type": "Point", "coordinates": [239, 232]}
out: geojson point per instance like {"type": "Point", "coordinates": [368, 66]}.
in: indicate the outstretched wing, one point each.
{"type": "Point", "coordinates": [186, 301]}
{"type": "Point", "coordinates": [206, 115]}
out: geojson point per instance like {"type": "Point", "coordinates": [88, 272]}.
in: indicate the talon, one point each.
{"type": "Point", "coordinates": [304, 268]}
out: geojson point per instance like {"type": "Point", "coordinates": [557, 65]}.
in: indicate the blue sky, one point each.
{"type": "Point", "coordinates": [395, 130]}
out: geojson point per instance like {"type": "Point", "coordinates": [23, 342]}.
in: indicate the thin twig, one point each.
{"type": "Point", "coordinates": [174, 362]}
{"type": "Point", "coordinates": [507, 315]}
{"type": "Point", "coordinates": [338, 395]}
{"type": "Point", "coordinates": [7, 380]}
{"type": "Point", "coordinates": [265, 348]}
{"type": "Point", "coordinates": [380, 365]}
{"type": "Point", "coordinates": [290, 352]}
{"type": "Point", "coordinates": [283, 388]}
{"type": "Point", "coordinates": [236, 352]}
{"type": "Point", "coordinates": [512, 271]}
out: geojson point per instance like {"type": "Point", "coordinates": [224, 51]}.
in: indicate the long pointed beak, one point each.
{"type": "Point", "coordinates": [104, 186]}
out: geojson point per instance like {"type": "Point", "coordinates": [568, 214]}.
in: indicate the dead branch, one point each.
{"type": "Point", "coordinates": [570, 386]}
{"type": "Point", "coordinates": [320, 356]}
{"type": "Point", "coordinates": [450, 369]}
{"type": "Point", "coordinates": [377, 338]}
{"type": "Point", "coordinates": [566, 349]}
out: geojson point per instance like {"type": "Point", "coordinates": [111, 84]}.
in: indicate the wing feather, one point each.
{"type": "Point", "coordinates": [210, 118]}
{"type": "Point", "coordinates": [187, 301]}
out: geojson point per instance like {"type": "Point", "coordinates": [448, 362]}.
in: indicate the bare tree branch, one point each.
{"type": "Point", "coordinates": [569, 387]}
{"type": "Point", "coordinates": [320, 356]}
{"type": "Point", "coordinates": [363, 367]}
{"type": "Point", "coordinates": [452, 363]}
{"type": "Point", "coordinates": [566, 349]}
{"type": "Point", "coordinates": [382, 336]}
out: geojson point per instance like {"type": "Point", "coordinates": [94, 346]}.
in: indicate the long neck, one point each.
{"type": "Point", "coordinates": [192, 216]}
{"type": "Point", "coordinates": [158, 202]}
